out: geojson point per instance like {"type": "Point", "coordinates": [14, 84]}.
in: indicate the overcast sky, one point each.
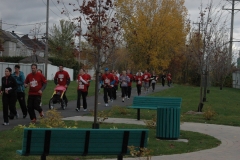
{"type": "Point", "coordinates": [18, 15]}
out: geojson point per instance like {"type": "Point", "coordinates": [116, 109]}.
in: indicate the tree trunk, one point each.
{"type": "Point", "coordinates": [200, 105]}
{"type": "Point", "coordinates": [95, 125]}
{"type": "Point", "coordinates": [205, 87]}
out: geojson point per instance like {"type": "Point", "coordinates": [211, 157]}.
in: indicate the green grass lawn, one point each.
{"type": "Point", "coordinates": [226, 103]}
{"type": "Point", "coordinates": [11, 140]}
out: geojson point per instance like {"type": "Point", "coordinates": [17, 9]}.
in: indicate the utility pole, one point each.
{"type": "Point", "coordinates": [79, 39]}
{"type": "Point", "coordinates": [232, 23]}
{"type": "Point", "coordinates": [1, 47]}
{"type": "Point", "coordinates": [46, 43]}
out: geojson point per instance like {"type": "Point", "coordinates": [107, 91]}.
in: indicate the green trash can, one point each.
{"type": "Point", "coordinates": [168, 122]}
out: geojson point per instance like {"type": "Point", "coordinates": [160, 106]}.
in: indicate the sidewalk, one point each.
{"type": "Point", "coordinates": [229, 149]}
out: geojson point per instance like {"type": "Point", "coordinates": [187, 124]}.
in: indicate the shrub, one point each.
{"type": "Point", "coordinates": [52, 119]}
{"type": "Point", "coordinates": [101, 116]}
{"type": "Point", "coordinates": [209, 113]}
{"type": "Point", "coordinates": [140, 152]}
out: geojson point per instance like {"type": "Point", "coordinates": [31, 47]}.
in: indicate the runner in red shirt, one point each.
{"type": "Point", "coordinates": [62, 78]}
{"type": "Point", "coordinates": [146, 78]}
{"type": "Point", "coordinates": [82, 89]}
{"type": "Point", "coordinates": [169, 79]}
{"type": "Point", "coordinates": [129, 89]}
{"type": "Point", "coordinates": [108, 83]}
{"type": "Point", "coordinates": [139, 80]}
{"type": "Point", "coordinates": [37, 83]}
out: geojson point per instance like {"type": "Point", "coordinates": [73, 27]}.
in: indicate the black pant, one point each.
{"type": "Point", "coordinates": [33, 102]}
{"type": "Point", "coordinates": [9, 102]}
{"type": "Point", "coordinates": [22, 102]}
{"type": "Point", "coordinates": [84, 97]}
{"type": "Point", "coordinates": [124, 91]}
{"type": "Point", "coordinates": [129, 91]}
{"type": "Point", "coordinates": [65, 97]}
{"type": "Point", "coordinates": [107, 92]}
{"type": "Point", "coordinates": [163, 82]}
{"type": "Point", "coordinates": [139, 87]}
{"type": "Point", "coordinates": [153, 86]}
{"type": "Point", "coordinates": [114, 92]}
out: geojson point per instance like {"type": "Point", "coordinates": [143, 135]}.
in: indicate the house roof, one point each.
{"type": "Point", "coordinates": [34, 59]}
{"type": "Point", "coordinates": [6, 36]}
{"type": "Point", "coordinates": [33, 43]}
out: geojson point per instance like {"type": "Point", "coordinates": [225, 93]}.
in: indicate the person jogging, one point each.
{"type": "Point", "coordinates": [9, 95]}
{"type": "Point", "coordinates": [108, 83]}
{"type": "Point", "coordinates": [62, 78]}
{"type": "Point", "coordinates": [37, 83]}
{"type": "Point", "coordinates": [146, 79]}
{"type": "Point", "coordinates": [20, 78]}
{"type": "Point", "coordinates": [82, 89]}
{"type": "Point", "coordinates": [139, 80]}
{"type": "Point", "coordinates": [129, 88]}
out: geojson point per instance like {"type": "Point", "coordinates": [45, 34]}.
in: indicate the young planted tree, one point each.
{"type": "Point", "coordinates": [210, 39]}
{"type": "Point", "coordinates": [61, 40]}
{"type": "Point", "coordinates": [154, 31]}
{"type": "Point", "coordinates": [102, 32]}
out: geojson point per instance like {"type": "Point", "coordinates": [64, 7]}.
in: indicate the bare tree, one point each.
{"type": "Point", "coordinates": [209, 39]}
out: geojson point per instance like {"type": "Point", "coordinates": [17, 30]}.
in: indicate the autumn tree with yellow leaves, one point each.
{"type": "Point", "coordinates": [155, 31]}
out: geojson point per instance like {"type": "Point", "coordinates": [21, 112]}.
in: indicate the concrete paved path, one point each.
{"type": "Point", "coordinates": [228, 135]}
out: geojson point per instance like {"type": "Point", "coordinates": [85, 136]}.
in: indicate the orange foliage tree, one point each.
{"type": "Point", "coordinates": [154, 31]}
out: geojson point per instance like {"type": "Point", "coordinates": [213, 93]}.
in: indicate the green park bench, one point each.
{"type": "Point", "coordinates": [81, 142]}
{"type": "Point", "coordinates": [142, 102]}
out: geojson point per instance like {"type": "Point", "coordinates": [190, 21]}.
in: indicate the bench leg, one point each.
{"type": "Point", "coordinates": [138, 114]}
{"type": "Point", "coordinates": [43, 157]}
{"type": "Point", "coordinates": [120, 157]}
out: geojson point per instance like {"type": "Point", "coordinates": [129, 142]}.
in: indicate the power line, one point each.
{"type": "Point", "coordinates": [56, 6]}
{"type": "Point", "coordinates": [24, 24]}
{"type": "Point", "coordinates": [52, 10]}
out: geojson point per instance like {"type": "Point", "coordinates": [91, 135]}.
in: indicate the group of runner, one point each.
{"type": "Point", "coordinates": [13, 89]}
{"type": "Point", "coordinates": [110, 81]}
{"type": "Point", "coordinates": [14, 84]}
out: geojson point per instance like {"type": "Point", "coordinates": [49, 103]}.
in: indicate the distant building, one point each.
{"type": "Point", "coordinates": [236, 75]}
{"type": "Point", "coordinates": [13, 45]}
{"type": "Point", "coordinates": [238, 61]}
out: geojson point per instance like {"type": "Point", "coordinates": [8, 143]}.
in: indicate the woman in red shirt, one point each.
{"type": "Point", "coordinates": [82, 89]}
{"type": "Point", "coordinates": [139, 80]}
{"type": "Point", "coordinates": [169, 79]}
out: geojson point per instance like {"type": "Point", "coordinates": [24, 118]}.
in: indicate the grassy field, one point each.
{"type": "Point", "coordinates": [226, 104]}
{"type": "Point", "coordinates": [11, 140]}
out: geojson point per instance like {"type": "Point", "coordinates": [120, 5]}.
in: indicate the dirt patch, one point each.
{"type": "Point", "coordinates": [193, 112]}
